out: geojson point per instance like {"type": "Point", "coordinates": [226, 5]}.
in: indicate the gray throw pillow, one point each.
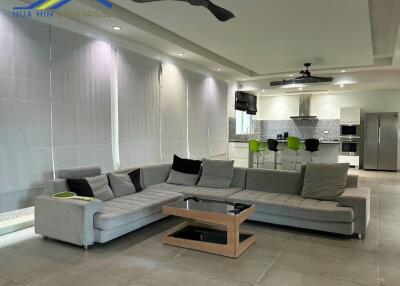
{"type": "Point", "coordinates": [121, 184]}
{"type": "Point", "coordinates": [216, 174]}
{"type": "Point", "coordinates": [324, 181]}
{"type": "Point", "coordinates": [179, 178]}
{"type": "Point", "coordinates": [100, 188]}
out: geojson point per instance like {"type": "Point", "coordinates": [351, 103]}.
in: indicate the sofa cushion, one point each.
{"type": "Point", "coordinates": [273, 181]}
{"type": "Point", "coordinates": [169, 187]}
{"type": "Point", "coordinates": [91, 187]}
{"type": "Point", "coordinates": [294, 206]}
{"type": "Point", "coordinates": [324, 181]}
{"type": "Point", "coordinates": [199, 192]}
{"type": "Point", "coordinates": [210, 193]}
{"type": "Point", "coordinates": [179, 178]}
{"type": "Point", "coordinates": [130, 208]}
{"type": "Point", "coordinates": [121, 184]}
{"type": "Point", "coordinates": [216, 174]}
{"type": "Point", "coordinates": [184, 172]}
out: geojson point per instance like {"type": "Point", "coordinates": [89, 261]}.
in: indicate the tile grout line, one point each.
{"type": "Point", "coordinates": [378, 278]}
{"type": "Point", "coordinates": [277, 256]}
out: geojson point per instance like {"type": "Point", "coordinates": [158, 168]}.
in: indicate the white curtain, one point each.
{"type": "Point", "coordinates": [81, 97]}
{"type": "Point", "coordinates": [197, 115]}
{"type": "Point", "coordinates": [217, 96]}
{"type": "Point", "coordinates": [173, 113]}
{"type": "Point", "coordinates": [25, 134]}
{"type": "Point", "coordinates": [138, 109]}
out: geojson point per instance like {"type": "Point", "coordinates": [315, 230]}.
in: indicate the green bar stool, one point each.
{"type": "Point", "coordinates": [257, 147]}
{"type": "Point", "coordinates": [294, 145]}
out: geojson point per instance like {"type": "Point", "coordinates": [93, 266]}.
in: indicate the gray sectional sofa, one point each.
{"type": "Point", "coordinates": [276, 195]}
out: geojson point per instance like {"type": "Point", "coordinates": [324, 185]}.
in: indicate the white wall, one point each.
{"type": "Point", "coordinates": [232, 88]}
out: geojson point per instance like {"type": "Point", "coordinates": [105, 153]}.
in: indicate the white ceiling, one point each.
{"type": "Point", "coordinates": [269, 36]}
{"type": "Point", "coordinates": [267, 39]}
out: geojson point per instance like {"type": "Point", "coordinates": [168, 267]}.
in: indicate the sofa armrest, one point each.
{"type": "Point", "coordinates": [68, 220]}
{"type": "Point", "coordinates": [359, 200]}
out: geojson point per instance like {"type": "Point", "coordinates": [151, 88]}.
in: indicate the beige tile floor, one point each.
{"type": "Point", "coordinates": [281, 256]}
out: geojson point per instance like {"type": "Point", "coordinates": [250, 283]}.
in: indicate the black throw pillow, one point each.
{"type": "Point", "coordinates": [136, 181]}
{"type": "Point", "coordinates": [80, 187]}
{"type": "Point", "coordinates": [186, 166]}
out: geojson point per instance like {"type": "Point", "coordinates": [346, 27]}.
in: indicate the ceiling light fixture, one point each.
{"type": "Point", "coordinates": [219, 69]}
{"type": "Point", "coordinates": [244, 79]}
{"type": "Point", "coordinates": [300, 88]}
{"type": "Point", "coordinates": [290, 75]}
{"type": "Point", "coordinates": [342, 85]}
{"type": "Point", "coordinates": [343, 71]}
{"type": "Point", "coordinates": [181, 54]}
{"type": "Point", "coordinates": [116, 28]}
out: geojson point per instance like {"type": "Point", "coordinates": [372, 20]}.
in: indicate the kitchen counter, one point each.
{"type": "Point", "coordinates": [285, 141]}
{"type": "Point", "coordinates": [239, 152]}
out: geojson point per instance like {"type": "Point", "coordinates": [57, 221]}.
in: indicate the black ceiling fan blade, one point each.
{"type": "Point", "coordinates": [329, 78]}
{"type": "Point", "coordinates": [146, 1]}
{"type": "Point", "coordinates": [220, 13]}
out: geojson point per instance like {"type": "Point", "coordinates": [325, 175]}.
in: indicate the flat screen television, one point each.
{"type": "Point", "coordinates": [246, 102]}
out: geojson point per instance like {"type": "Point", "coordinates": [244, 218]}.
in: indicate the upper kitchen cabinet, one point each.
{"type": "Point", "coordinates": [350, 116]}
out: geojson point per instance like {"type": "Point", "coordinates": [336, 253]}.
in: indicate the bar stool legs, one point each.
{"type": "Point", "coordinates": [295, 161]}
{"type": "Point", "coordinates": [275, 160]}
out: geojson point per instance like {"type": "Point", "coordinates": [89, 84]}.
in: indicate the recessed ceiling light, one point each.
{"type": "Point", "coordinates": [342, 85]}
{"type": "Point", "coordinates": [343, 71]}
{"type": "Point", "coordinates": [263, 90]}
{"type": "Point", "coordinates": [290, 75]}
{"type": "Point", "coordinates": [300, 88]}
{"type": "Point", "coordinates": [181, 54]}
{"type": "Point", "coordinates": [116, 28]}
{"type": "Point", "coordinates": [244, 79]}
{"type": "Point", "coordinates": [219, 69]}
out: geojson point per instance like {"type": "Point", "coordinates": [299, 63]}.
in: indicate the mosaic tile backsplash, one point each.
{"type": "Point", "coordinates": [325, 129]}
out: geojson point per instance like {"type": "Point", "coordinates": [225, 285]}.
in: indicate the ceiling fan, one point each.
{"type": "Point", "coordinates": [305, 77]}
{"type": "Point", "coordinates": [220, 13]}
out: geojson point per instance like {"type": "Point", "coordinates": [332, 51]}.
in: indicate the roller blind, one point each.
{"type": "Point", "coordinates": [81, 97]}
{"type": "Point", "coordinates": [197, 115]}
{"type": "Point", "coordinates": [138, 109]}
{"type": "Point", "coordinates": [217, 117]}
{"type": "Point", "coordinates": [25, 141]}
{"type": "Point", "coordinates": [173, 113]}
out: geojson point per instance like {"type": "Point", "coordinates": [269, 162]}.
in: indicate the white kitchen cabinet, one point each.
{"type": "Point", "coordinates": [350, 116]}
{"type": "Point", "coordinates": [354, 161]}
{"type": "Point", "coordinates": [239, 152]}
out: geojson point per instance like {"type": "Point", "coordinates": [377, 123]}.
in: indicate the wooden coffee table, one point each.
{"type": "Point", "coordinates": [211, 226]}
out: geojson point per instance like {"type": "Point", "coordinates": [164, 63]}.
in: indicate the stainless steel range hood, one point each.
{"type": "Point", "coordinates": [304, 108]}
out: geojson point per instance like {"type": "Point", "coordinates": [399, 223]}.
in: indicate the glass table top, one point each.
{"type": "Point", "coordinates": [196, 204]}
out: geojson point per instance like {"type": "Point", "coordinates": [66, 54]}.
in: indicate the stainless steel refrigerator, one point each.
{"type": "Point", "coordinates": [380, 141]}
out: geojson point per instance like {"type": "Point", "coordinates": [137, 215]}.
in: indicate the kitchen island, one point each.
{"type": "Point", "coordinates": [239, 152]}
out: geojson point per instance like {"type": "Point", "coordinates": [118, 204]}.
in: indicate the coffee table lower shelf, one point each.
{"type": "Point", "coordinates": [208, 238]}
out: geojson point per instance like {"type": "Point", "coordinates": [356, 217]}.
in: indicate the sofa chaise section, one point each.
{"type": "Point", "coordinates": [130, 210]}
{"type": "Point", "coordinates": [276, 195]}
{"type": "Point", "coordinates": [84, 223]}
